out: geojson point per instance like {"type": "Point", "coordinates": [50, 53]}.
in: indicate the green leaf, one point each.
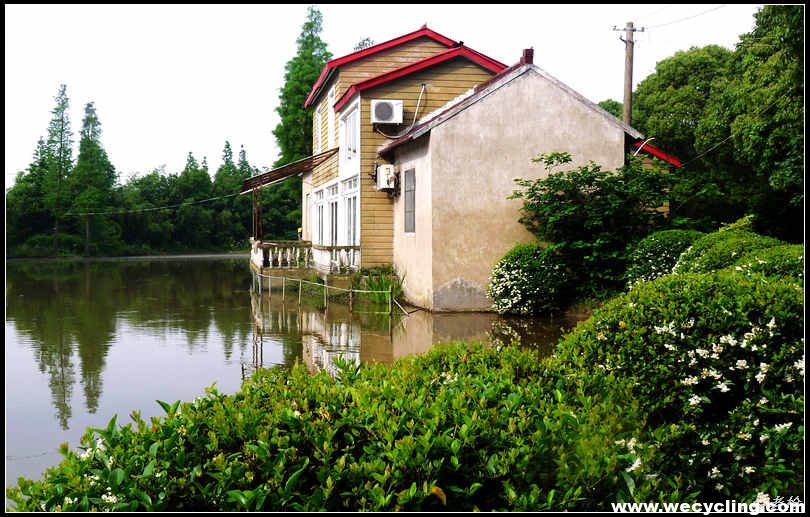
{"type": "Point", "coordinates": [290, 484]}
{"type": "Point", "coordinates": [117, 477]}
{"type": "Point", "coordinates": [150, 467]}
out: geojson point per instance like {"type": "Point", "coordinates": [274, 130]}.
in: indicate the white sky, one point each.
{"type": "Point", "coordinates": [167, 80]}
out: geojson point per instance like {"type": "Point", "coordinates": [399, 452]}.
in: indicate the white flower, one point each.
{"type": "Point", "coordinates": [742, 364]}
{"type": "Point", "coordinates": [718, 486]}
{"type": "Point", "coordinates": [109, 498]}
{"type": "Point", "coordinates": [781, 427]}
{"type": "Point", "coordinates": [694, 400]}
{"type": "Point", "coordinates": [636, 464]}
{"type": "Point", "coordinates": [689, 324]}
{"type": "Point", "coordinates": [705, 442]}
{"type": "Point", "coordinates": [722, 387]}
{"type": "Point", "coordinates": [749, 470]}
{"type": "Point", "coordinates": [763, 438]}
{"type": "Point", "coordinates": [701, 352]}
{"type": "Point", "coordinates": [729, 339]}
{"type": "Point", "coordinates": [744, 436]}
{"type": "Point", "coordinates": [763, 499]}
{"type": "Point", "coordinates": [715, 473]}
{"type": "Point", "coordinates": [69, 500]}
{"type": "Point", "coordinates": [763, 401]}
{"type": "Point", "coordinates": [771, 324]}
{"type": "Point", "coordinates": [689, 381]}
{"type": "Point", "coordinates": [799, 365]}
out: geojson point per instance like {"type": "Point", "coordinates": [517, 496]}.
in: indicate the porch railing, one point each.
{"type": "Point", "coordinates": [304, 254]}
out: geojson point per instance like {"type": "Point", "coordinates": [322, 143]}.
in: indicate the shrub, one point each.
{"type": "Point", "coordinates": [785, 261]}
{"type": "Point", "coordinates": [529, 279]}
{"type": "Point", "coordinates": [743, 224]}
{"type": "Point", "coordinates": [657, 253]}
{"type": "Point", "coordinates": [380, 278]}
{"type": "Point", "coordinates": [719, 250]}
{"type": "Point", "coordinates": [717, 364]}
{"type": "Point", "coordinates": [464, 427]}
{"type": "Point", "coordinates": [589, 215]}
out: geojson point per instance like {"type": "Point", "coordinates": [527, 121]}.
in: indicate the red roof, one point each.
{"type": "Point", "coordinates": [658, 153]}
{"type": "Point", "coordinates": [354, 56]}
{"type": "Point", "coordinates": [461, 51]}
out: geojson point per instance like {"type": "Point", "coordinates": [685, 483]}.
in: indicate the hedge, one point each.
{"type": "Point", "coordinates": [719, 250]}
{"type": "Point", "coordinates": [656, 254]}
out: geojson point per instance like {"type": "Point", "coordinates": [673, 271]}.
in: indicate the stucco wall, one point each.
{"type": "Point", "coordinates": [413, 251]}
{"type": "Point", "coordinates": [474, 158]}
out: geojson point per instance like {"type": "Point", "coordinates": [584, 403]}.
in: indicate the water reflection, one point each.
{"type": "Point", "coordinates": [368, 335]}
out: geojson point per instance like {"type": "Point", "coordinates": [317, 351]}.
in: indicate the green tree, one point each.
{"type": "Point", "coordinates": [759, 108]}
{"type": "Point", "coordinates": [669, 103]}
{"type": "Point", "coordinates": [615, 108]}
{"type": "Point", "coordinates": [91, 186]}
{"type": "Point", "coordinates": [294, 131]}
{"type": "Point", "coordinates": [59, 159]}
{"type": "Point", "coordinates": [26, 214]}
{"type": "Point", "coordinates": [194, 222]}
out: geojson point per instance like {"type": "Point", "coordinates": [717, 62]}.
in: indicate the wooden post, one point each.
{"type": "Point", "coordinates": [326, 292]}
{"type": "Point", "coordinates": [283, 286]}
{"type": "Point", "coordinates": [350, 295]}
{"type": "Point", "coordinates": [389, 300]}
{"type": "Point", "coordinates": [269, 287]}
{"type": "Point", "coordinates": [300, 287]}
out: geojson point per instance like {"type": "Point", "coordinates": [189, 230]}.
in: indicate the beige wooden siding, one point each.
{"type": "Point", "coordinates": [443, 82]}
{"type": "Point", "coordinates": [385, 61]}
{"type": "Point", "coordinates": [324, 172]}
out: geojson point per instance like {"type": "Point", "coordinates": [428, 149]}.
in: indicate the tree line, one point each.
{"type": "Point", "coordinates": [44, 207]}
{"type": "Point", "coordinates": [736, 117]}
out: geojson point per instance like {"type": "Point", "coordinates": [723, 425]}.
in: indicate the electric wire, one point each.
{"type": "Point", "coordinates": [687, 18]}
{"type": "Point", "coordinates": [140, 210]}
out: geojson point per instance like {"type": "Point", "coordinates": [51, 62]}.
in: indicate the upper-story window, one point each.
{"type": "Point", "coordinates": [350, 134]}
{"type": "Point", "coordinates": [316, 131]}
{"type": "Point", "coordinates": [330, 118]}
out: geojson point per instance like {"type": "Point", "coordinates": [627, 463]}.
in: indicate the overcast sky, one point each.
{"type": "Point", "coordinates": [167, 80]}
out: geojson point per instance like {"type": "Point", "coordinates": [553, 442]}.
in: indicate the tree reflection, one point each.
{"type": "Point", "coordinates": [70, 311]}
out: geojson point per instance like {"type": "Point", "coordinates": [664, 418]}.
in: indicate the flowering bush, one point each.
{"type": "Point", "coordinates": [529, 279]}
{"type": "Point", "coordinates": [717, 362]}
{"type": "Point", "coordinates": [719, 250]}
{"type": "Point", "coordinates": [657, 253]}
{"type": "Point", "coordinates": [463, 427]}
{"type": "Point", "coordinates": [787, 260]}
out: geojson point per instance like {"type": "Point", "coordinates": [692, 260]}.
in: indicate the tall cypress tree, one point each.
{"type": "Point", "coordinates": [92, 181]}
{"type": "Point", "coordinates": [294, 132]}
{"type": "Point", "coordinates": [59, 159]}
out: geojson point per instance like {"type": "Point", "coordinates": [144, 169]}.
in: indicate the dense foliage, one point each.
{"type": "Point", "coordinates": [529, 279]}
{"type": "Point", "coordinates": [720, 249]}
{"type": "Point", "coordinates": [657, 253]}
{"type": "Point", "coordinates": [461, 428]}
{"type": "Point", "coordinates": [589, 215]}
{"type": "Point", "coordinates": [737, 119]}
{"type": "Point", "coordinates": [785, 261]}
{"type": "Point", "coordinates": [717, 363]}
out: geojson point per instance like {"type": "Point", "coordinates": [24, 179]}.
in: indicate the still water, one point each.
{"type": "Point", "coordinates": [86, 340]}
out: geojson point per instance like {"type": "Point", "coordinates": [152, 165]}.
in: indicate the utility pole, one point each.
{"type": "Point", "coordinates": [628, 68]}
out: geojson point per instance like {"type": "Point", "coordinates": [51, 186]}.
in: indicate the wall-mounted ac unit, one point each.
{"type": "Point", "coordinates": [384, 111]}
{"type": "Point", "coordinates": [386, 177]}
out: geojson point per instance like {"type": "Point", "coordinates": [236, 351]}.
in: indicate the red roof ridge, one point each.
{"type": "Point", "coordinates": [658, 153]}
{"type": "Point", "coordinates": [332, 64]}
{"type": "Point", "coordinates": [385, 77]}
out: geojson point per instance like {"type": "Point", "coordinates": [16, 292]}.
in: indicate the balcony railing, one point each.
{"type": "Point", "coordinates": [304, 254]}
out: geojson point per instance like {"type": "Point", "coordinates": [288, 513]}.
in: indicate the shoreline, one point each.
{"type": "Point", "coordinates": [223, 255]}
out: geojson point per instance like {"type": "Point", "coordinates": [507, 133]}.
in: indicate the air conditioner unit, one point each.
{"type": "Point", "coordinates": [386, 177]}
{"type": "Point", "coordinates": [384, 111]}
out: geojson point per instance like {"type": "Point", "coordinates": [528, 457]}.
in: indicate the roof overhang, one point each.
{"type": "Point", "coordinates": [285, 171]}
{"type": "Point", "coordinates": [378, 80]}
{"type": "Point", "coordinates": [658, 153]}
{"type": "Point", "coordinates": [333, 64]}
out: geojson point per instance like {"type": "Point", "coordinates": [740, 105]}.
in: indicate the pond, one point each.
{"type": "Point", "coordinates": [86, 340]}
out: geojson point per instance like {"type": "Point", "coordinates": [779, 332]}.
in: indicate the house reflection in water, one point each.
{"type": "Point", "coordinates": [318, 336]}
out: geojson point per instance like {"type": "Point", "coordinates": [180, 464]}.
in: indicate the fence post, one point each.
{"type": "Point", "coordinates": [389, 300]}
{"type": "Point", "coordinates": [351, 287]}
{"type": "Point", "coordinates": [269, 286]}
{"type": "Point", "coordinates": [326, 292]}
{"type": "Point", "coordinates": [283, 287]}
{"type": "Point", "coordinates": [300, 287]}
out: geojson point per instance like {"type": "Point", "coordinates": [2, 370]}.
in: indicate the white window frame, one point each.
{"type": "Point", "coordinates": [316, 131]}
{"type": "Point", "coordinates": [330, 118]}
{"type": "Point", "coordinates": [350, 154]}
{"type": "Point", "coordinates": [318, 221]}
{"type": "Point", "coordinates": [351, 196]}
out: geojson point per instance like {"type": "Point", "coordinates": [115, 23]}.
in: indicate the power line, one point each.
{"type": "Point", "coordinates": [687, 18]}
{"type": "Point", "coordinates": [650, 15]}
{"type": "Point", "coordinates": [122, 212]}
{"type": "Point", "coordinates": [712, 148]}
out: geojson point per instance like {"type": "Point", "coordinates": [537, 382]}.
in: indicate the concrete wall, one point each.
{"type": "Point", "coordinates": [413, 254]}
{"type": "Point", "coordinates": [474, 158]}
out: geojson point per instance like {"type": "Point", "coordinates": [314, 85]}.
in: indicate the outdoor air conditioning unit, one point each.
{"type": "Point", "coordinates": [386, 177]}
{"type": "Point", "coordinates": [386, 111]}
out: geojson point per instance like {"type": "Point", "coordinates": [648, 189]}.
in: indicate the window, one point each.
{"type": "Point", "coordinates": [350, 135]}
{"type": "Point", "coordinates": [320, 224]}
{"type": "Point", "coordinates": [330, 118]}
{"type": "Point", "coordinates": [316, 131]}
{"type": "Point", "coordinates": [351, 220]}
{"type": "Point", "coordinates": [410, 201]}
{"type": "Point", "coordinates": [333, 216]}
{"type": "Point", "coordinates": [318, 233]}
